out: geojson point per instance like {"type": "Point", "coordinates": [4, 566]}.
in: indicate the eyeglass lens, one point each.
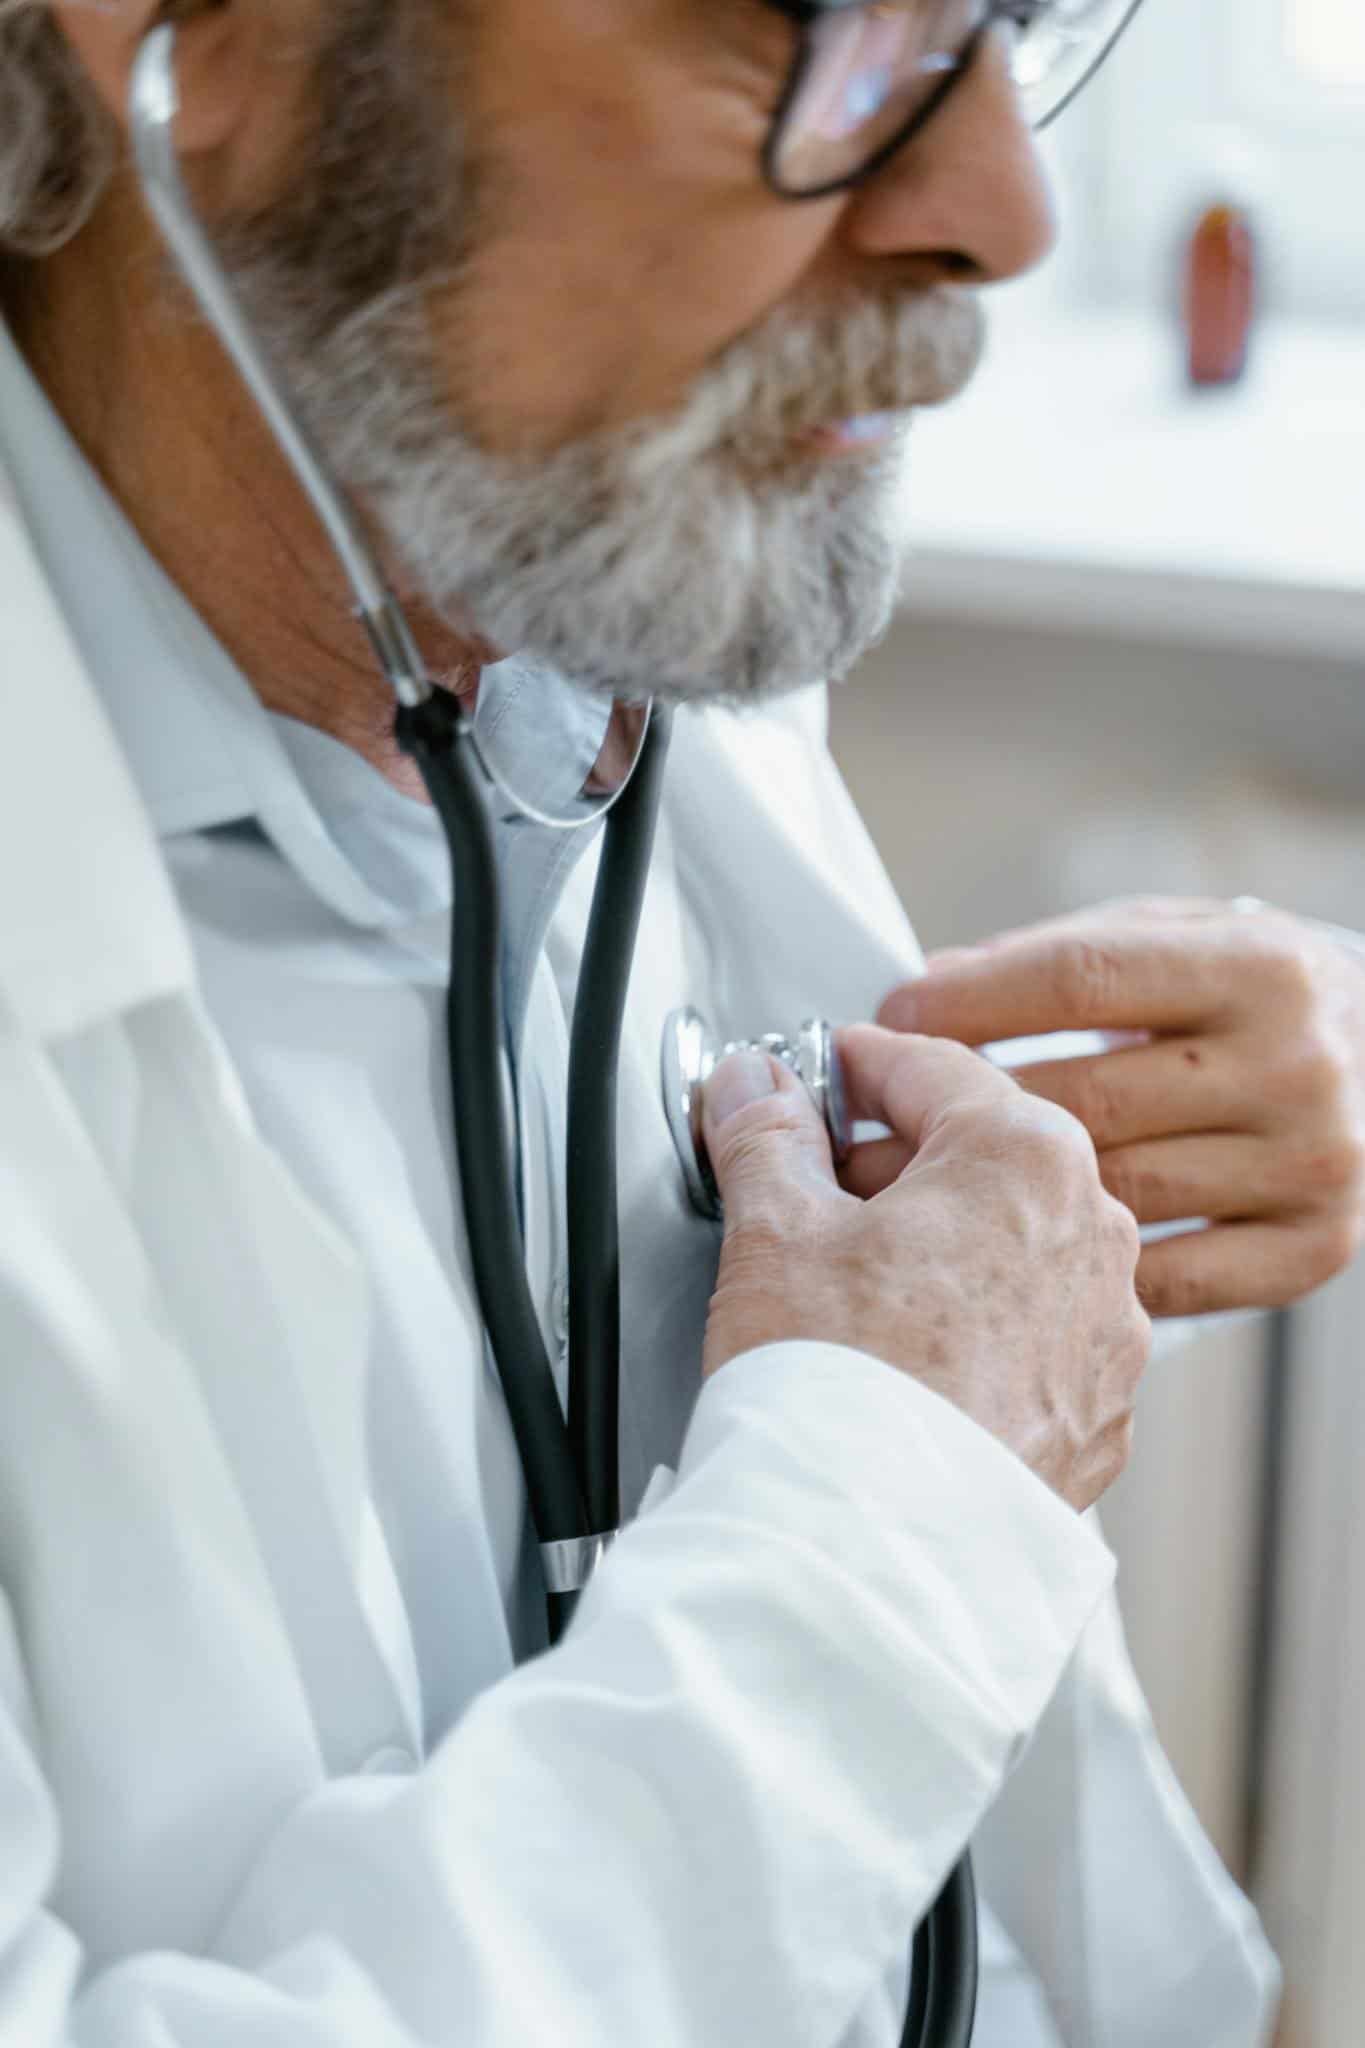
{"type": "Point", "coordinates": [870, 73]}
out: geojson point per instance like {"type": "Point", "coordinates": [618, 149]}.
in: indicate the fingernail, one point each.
{"type": "Point", "coordinates": [743, 1078]}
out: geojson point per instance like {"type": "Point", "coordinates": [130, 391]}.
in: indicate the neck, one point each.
{"type": "Point", "coordinates": [160, 413]}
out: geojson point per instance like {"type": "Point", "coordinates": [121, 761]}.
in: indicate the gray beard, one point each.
{"type": "Point", "coordinates": [687, 558]}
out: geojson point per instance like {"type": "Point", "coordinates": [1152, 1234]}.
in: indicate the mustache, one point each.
{"type": "Point", "coordinates": [806, 368]}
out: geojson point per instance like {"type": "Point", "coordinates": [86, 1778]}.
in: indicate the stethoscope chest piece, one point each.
{"type": "Point", "coordinates": [691, 1053]}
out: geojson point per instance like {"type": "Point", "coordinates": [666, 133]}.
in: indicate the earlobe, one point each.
{"type": "Point", "coordinates": [215, 40]}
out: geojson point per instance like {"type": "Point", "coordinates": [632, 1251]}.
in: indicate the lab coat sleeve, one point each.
{"type": "Point", "coordinates": [709, 1817]}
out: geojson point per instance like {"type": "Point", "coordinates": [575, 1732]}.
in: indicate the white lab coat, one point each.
{"type": "Point", "coordinates": [790, 1697]}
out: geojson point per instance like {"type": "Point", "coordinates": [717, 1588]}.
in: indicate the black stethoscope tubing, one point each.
{"type": "Point", "coordinates": [594, 1251]}
{"type": "Point", "coordinates": [436, 737]}
{"type": "Point", "coordinates": [571, 1466]}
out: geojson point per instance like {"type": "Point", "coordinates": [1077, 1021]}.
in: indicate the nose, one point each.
{"type": "Point", "coordinates": [967, 198]}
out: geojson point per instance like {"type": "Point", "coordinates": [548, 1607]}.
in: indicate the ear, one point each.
{"type": "Point", "coordinates": [218, 46]}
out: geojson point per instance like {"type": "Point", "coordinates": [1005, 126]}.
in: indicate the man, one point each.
{"type": "Point", "coordinates": [615, 404]}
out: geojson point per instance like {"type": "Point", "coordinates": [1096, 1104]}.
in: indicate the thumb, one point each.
{"type": "Point", "coordinates": [764, 1136]}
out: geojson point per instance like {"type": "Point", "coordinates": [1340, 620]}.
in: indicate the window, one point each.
{"type": "Point", "coordinates": [1324, 41]}
{"type": "Point", "coordinates": [1265, 96]}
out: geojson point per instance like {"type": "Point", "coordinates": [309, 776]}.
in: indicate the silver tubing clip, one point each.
{"type": "Point", "coordinates": [569, 1565]}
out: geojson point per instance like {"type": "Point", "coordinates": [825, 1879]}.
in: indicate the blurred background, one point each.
{"type": "Point", "coordinates": [1132, 657]}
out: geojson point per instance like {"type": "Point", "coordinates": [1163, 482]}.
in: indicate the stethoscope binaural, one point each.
{"type": "Point", "coordinates": [569, 1457]}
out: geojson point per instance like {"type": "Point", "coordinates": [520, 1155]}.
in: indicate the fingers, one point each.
{"type": "Point", "coordinates": [1227, 1178]}
{"type": "Point", "coordinates": [766, 1140]}
{"type": "Point", "coordinates": [1116, 912]}
{"type": "Point", "coordinates": [1242, 1265]}
{"type": "Point", "coordinates": [1167, 975]}
{"type": "Point", "coordinates": [911, 1083]}
{"type": "Point", "coordinates": [1149, 1091]}
{"type": "Point", "coordinates": [928, 1090]}
{"type": "Point", "coordinates": [1164, 1180]}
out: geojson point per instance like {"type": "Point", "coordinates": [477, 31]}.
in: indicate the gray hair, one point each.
{"type": "Point", "coordinates": [57, 143]}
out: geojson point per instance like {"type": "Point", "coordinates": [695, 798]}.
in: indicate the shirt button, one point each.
{"type": "Point", "coordinates": [393, 1761]}
{"type": "Point", "coordinates": [559, 1309]}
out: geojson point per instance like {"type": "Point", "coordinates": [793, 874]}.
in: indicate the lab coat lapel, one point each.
{"type": "Point", "coordinates": [92, 933]}
{"type": "Point", "coordinates": [814, 926]}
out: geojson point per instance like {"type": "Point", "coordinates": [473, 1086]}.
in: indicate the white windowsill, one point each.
{"type": "Point", "coordinates": [1079, 485]}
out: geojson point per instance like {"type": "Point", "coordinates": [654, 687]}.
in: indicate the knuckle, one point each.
{"type": "Point", "coordinates": [1086, 977]}
{"type": "Point", "coordinates": [1097, 1101]}
{"type": "Point", "coordinates": [1336, 1169]}
{"type": "Point", "coordinates": [1053, 1156]}
{"type": "Point", "coordinates": [1123, 1229]}
{"type": "Point", "coordinates": [1308, 1081]}
{"type": "Point", "coordinates": [1141, 1334]}
{"type": "Point", "coordinates": [1320, 1070]}
{"type": "Point", "coordinates": [1287, 971]}
{"type": "Point", "coordinates": [1139, 1340]}
{"type": "Point", "coordinates": [758, 1138]}
{"type": "Point", "coordinates": [987, 1124]}
{"type": "Point", "coordinates": [1332, 1248]}
{"type": "Point", "coordinates": [755, 1152]}
{"type": "Point", "coordinates": [1055, 1133]}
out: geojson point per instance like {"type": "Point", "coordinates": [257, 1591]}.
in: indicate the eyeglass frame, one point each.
{"type": "Point", "coordinates": [804, 14]}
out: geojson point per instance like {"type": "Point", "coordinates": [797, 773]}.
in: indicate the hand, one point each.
{"type": "Point", "coordinates": [993, 1267]}
{"type": "Point", "coordinates": [1243, 1101]}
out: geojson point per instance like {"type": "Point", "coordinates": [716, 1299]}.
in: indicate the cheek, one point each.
{"type": "Point", "coordinates": [569, 323]}
{"type": "Point", "coordinates": [615, 253]}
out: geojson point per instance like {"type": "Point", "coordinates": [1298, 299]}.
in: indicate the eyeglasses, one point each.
{"type": "Point", "coordinates": [868, 74]}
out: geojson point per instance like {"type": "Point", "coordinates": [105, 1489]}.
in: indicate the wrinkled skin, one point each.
{"type": "Point", "coordinates": [1243, 1103]}
{"type": "Point", "coordinates": [993, 1267]}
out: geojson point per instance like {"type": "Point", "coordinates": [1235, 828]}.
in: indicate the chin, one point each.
{"type": "Point", "coordinates": [658, 566]}
{"type": "Point", "coordinates": [729, 637]}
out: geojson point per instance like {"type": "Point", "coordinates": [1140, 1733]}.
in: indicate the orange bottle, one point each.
{"type": "Point", "coordinates": [1219, 294]}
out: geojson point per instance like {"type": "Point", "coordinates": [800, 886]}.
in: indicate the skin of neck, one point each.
{"type": "Point", "coordinates": [161, 415]}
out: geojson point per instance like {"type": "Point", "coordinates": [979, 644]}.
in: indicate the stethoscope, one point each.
{"type": "Point", "coordinates": [568, 1453]}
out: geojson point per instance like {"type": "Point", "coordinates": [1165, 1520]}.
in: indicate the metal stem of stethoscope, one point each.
{"type": "Point", "coordinates": [570, 1466]}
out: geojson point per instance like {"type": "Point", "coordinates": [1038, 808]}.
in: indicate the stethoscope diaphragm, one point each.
{"type": "Point", "coordinates": [692, 1052]}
